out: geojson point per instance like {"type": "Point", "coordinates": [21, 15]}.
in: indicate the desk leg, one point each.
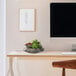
{"type": "Point", "coordinates": [11, 66]}
{"type": "Point", "coordinates": [63, 72]}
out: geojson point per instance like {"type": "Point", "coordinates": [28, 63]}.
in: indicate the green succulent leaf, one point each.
{"type": "Point", "coordinates": [36, 44]}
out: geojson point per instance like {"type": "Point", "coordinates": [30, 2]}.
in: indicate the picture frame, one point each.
{"type": "Point", "coordinates": [27, 20]}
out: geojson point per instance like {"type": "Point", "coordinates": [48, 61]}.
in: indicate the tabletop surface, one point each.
{"type": "Point", "coordinates": [49, 53]}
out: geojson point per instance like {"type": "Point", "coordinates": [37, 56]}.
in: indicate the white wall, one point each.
{"type": "Point", "coordinates": [16, 39]}
{"type": "Point", "coordinates": [2, 37]}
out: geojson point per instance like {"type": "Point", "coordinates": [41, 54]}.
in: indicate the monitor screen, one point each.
{"type": "Point", "coordinates": [63, 19]}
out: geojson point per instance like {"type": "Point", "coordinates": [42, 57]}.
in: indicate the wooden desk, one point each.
{"type": "Point", "coordinates": [43, 55]}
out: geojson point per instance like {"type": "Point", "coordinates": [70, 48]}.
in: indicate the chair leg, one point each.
{"type": "Point", "coordinates": [63, 72]}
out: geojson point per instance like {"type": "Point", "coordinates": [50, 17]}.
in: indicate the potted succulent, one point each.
{"type": "Point", "coordinates": [34, 47]}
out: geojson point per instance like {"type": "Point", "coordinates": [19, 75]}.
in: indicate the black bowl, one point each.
{"type": "Point", "coordinates": [30, 50]}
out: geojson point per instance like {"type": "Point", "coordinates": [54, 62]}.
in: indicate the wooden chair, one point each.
{"type": "Point", "coordinates": [68, 64]}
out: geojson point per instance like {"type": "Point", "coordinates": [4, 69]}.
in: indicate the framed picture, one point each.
{"type": "Point", "coordinates": [27, 20]}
